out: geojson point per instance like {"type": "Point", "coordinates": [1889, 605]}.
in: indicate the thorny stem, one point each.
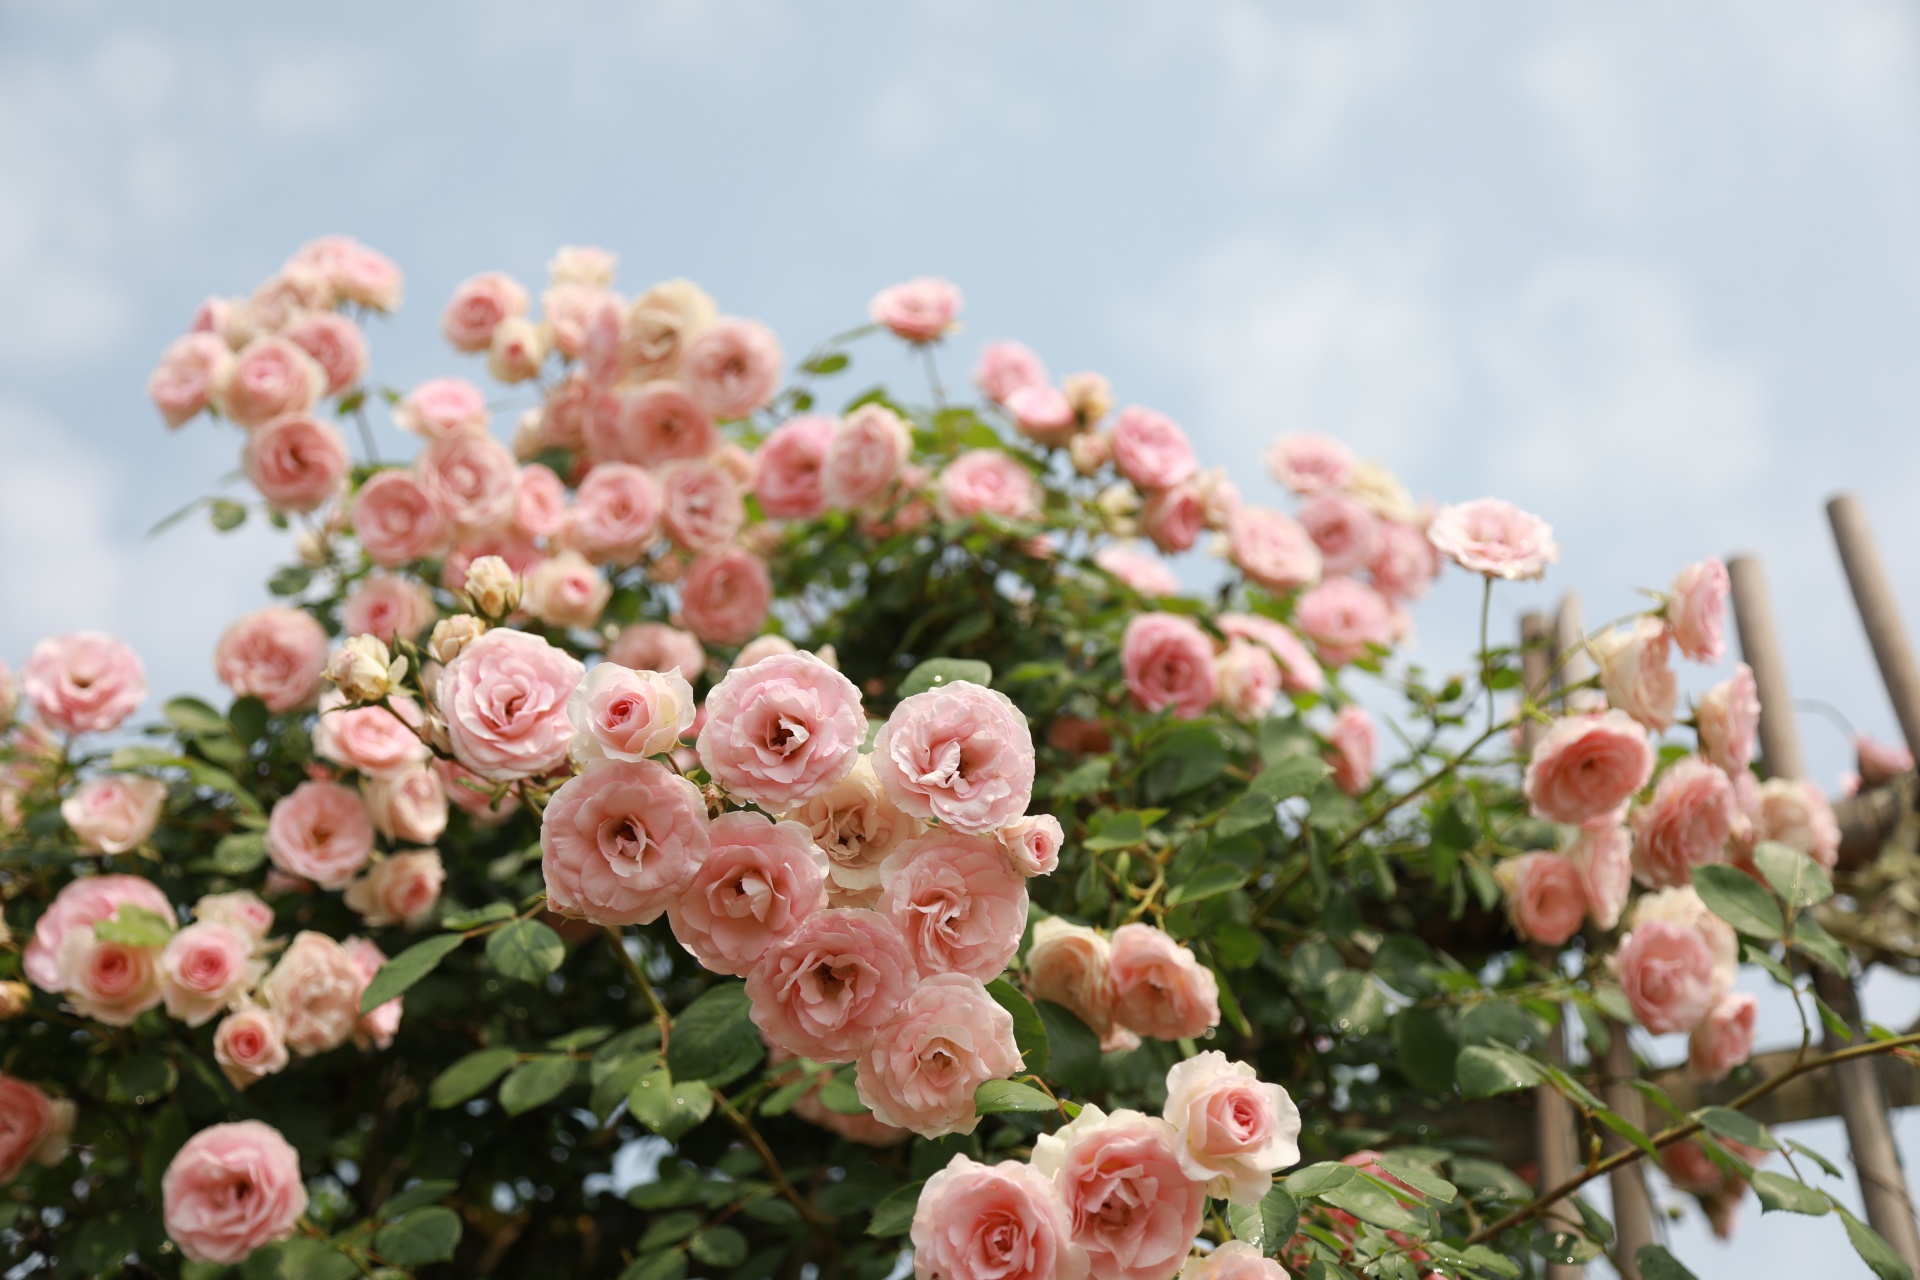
{"type": "Point", "coordinates": [632, 967]}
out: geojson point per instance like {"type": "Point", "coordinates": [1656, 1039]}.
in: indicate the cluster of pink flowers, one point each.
{"type": "Point", "coordinates": [1138, 983]}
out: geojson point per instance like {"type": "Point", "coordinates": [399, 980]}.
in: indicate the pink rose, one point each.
{"type": "Point", "coordinates": [355, 272]}
{"type": "Point", "coordinates": [621, 714]}
{"type": "Point", "coordinates": [788, 468]}
{"type": "Point", "coordinates": [231, 1189]}
{"type": "Point", "coordinates": [616, 514]}
{"type": "Point", "coordinates": [1272, 549]}
{"type": "Point", "coordinates": [504, 700]}
{"type": "Point", "coordinates": [1635, 674]}
{"type": "Point", "coordinates": [920, 310]}
{"type": "Point", "coordinates": [539, 502]}
{"type": "Point", "coordinates": [855, 826]}
{"type": "Point", "coordinates": [275, 655]}
{"type": "Point", "coordinates": [1299, 672]}
{"type": "Point", "coordinates": [1006, 367]}
{"type": "Point", "coordinates": [960, 753]}
{"type": "Point", "coordinates": [1493, 537]}
{"type": "Point", "coordinates": [1133, 1209]}
{"type": "Point", "coordinates": [1685, 825]}
{"type": "Point", "coordinates": [864, 457]}
{"type": "Point", "coordinates": [1151, 450]}
{"type": "Point", "coordinates": [566, 591]}
{"type": "Point", "coordinates": [410, 805]}
{"type": "Point", "coordinates": [655, 646]}
{"type": "Point", "coordinates": [401, 888]}
{"type": "Point", "coordinates": [1696, 610]}
{"type": "Point", "coordinates": [1348, 536]}
{"type": "Point", "coordinates": [1682, 906]}
{"type": "Point", "coordinates": [1043, 414]}
{"type": "Point", "coordinates": [701, 506]}
{"type": "Point", "coordinates": [733, 367]}
{"type": "Point", "coordinates": [1793, 812]}
{"type": "Point", "coordinates": [1249, 680]}
{"type": "Point", "coordinates": [240, 908]}
{"type": "Point", "coordinates": [1159, 989]}
{"type": "Point", "coordinates": [657, 328]}
{"type": "Point", "coordinates": [205, 968]}
{"type": "Point", "coordinates": [33, 1127]}
{"type": "Point", "coordinates": [958, 902]}
{"type": "Point", "coordinates": [1545, 897]}
{"type": "Point", "coordinates": [824, 990]}
{"type": "Point", "coordinates": [947, 1039]}
{"type": "Point", "coordinates": [1351, 743]}
{"type": "Point", "coordinates": [398, 518]}
{"type": "Point", "coordinates": [1234, 1133]}
{"type": "Point", "coordinates": [442, 407]}
{"type": "Point", "coordinates": [79, 906]}
{"type": "Point", "coordinates": [1587, 767]}
{"type": "Point", "coordinates": [1346, 620]}
{"type": "Point", "coordinates": [647, 425]}
{"type": "Point", "coordinates": [1880, 762]}
{"type": "Point", "coordinates": [760, 881]}
{"type": "Point", "coordinates": [1667, 973]}
{"type": "Point", "coordinates": [1032, 844]}
{"type": "Point", "coordinates": [388, 606]}
{"type": "Point", "coordinates": [471, 477]}
{"type": "Point", "coordinates": [1603, 855]}
{"type": "Point", "coordinates": [192, 374]}
{"type": "Point", "coordinates": [1141, 570]}
{"type": "Point", "coordinates": [336, 345]}
{"type": "Point", "coordinates": [379, 740]}
{"type": "Point", "coordinates": [250, 1044]}
{"type": "Point", "coordinates": [766, 646]}
{"type": "Point", "coordinates": [1168, 662]}
{"type": "Point", "coordinates": [1174, 517]}
{"type": "Point", "coordinates": [725, 596]}
{"type": "Point", "coordinates": [621, 841]}
{"type": "Point", "coordinates": [993, 1222]}
{"type": "Point", "coordinates": [570, 309]}
{"type": "Point", "coordinates": [478, 306]}
{"type": "Point", "coordinates": [111, 982]}
{"type": "Point", "coordinates": [271, 377]}
{"type": "Point", "coordinates": [1406, 563]}
{"type": "Point", "coordinates": [1072, 966]}
{"type": "Point", "coordinates": [114, 813]}
{"type": "Point", "coordinates": [1234, 1260]}
{"type": "Point", "coordinates": [1724, 1038]}
{"type": "Point", "coordinates": [518, 349]}
{"type": "Point", "coordinates": [988, 481]}
{"type": "Point", "coordinates": [787, 728]}
{"type": "Point", "coordinates": [84, 682]}
{"type": "Point", "coordinates": [1310, 465]}
{"type": "Point", "coordinates": [315, 989]}
{"type": "Point", "coordinates": [474, 795]}
{"type": "Point", "coordinates": [320, 832]}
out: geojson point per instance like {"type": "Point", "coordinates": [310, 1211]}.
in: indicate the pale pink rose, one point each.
{"type": "Point", "coordinates": [789, 466]}
{"type": "Point", "coordinates": [518, 349]}
{"type": "Point", "coordinates": [504, 701]}
{"type": "Point", "coordinates": [402, 888]}
{"type": "Point", "coordinates": [1880, 762]}
{"type": "Point", "coordinates": [1174, 517]}
{"type": "Point", "coordinates": [765, 646]}
{"type": "Point", "coordinates": [250, 1044]}
{"type": "Point", "coordinates": [1219, 498]}
{"type": "Point", "coordinates": [410, 805]}
{"type": "Point", "coordinates": [1299, 672]}
{"type": "Point", "coordinates": [1685, 825]}
{"type": "Point", "coordinates": [1493, 537]}
{"type": "Point", "coordinates": [733, 367]}
{"type": "Point", "coordinates": [1697, 608]}
{"type": "Point", "coordinates": [205, 968]}
{"type": "Point", "coordinates": [657, 328]}
{"type": "Point", "coordinates": [1248, 679]}
{"type": "Point", "coordinates": [478, 306]}
{"type": "Point", "coordinates": [988, 481]}
{"type": "Point", "coordinates": [566, 591]}
{"type": "Point", "coordinates": [1406, 563]}
{"type": "Point", "coordinates": [920, 310]}
{"type": "Point", "coordinates": [1032, 844]}
{"type": "Point", "coordinates": [379, 740]}
{"type": "Point", "coordinates": [618, 713]}
{"type": "Point", "coordinates": [725, 596]}
{"type": "Point", "coordinates": [1234, 1133]}
{"type": "Point", "coordinates": [1682, 906]}
{"type": "Point", "coordinates": [1667, 973]}
{"type": "Point", "coordinates": [240, 908]}
{"type": "Point", "coordinates": [1729, 720]}
{"type": "Point", "coordinates": [336, 345]}
{"type": "Point", "coordinates": [474, 795]}
{"type": "Point", "coordinates": [1346, 620]}
{"type": "Point", "coordinates": [1159, 989]}
{"type": "Point", "coordinates": [286, 296]}
{"type": "Point", "coordinates": [1151, 450]}
{"type": "Point", "coordinates": [388, 606]}
{"type": "Point", "coordinates": [1310, 465]}
{"type": "Point", "coordinates": [84, 682]}
{"type": "Point", "coordinates": [472, 477]}
{"type": "Point", "coordinates": [569, 310]}
{"type": "Point", "coordinates": [1043, 414]}
{"type": "Point", "coordinates": [957, 900]}
{"type": "Point", "coordinates": [616, 514]}
{"type": "Point", "coordinates": [275, 655]}
{"type": "Point", "coordinates": [33, 1127]}
{"type": "Point", "coordinates": [651, 424]}
{"type": "Point", "coordinates": [271, 377]}
{"type": "Point", "coordinates": [111, 982]}
{"type": "Point", "coordinates": [785, 729]}
{"type": "Point", "coordinates": [1234, 1260]}
{"type": "Point", "coordinates": [315, 989]}
{"type": "Point", "coordinates": [701, 506]}
{"type": "Point", "coordinates": [1347, 534]}
{"type": "Point", "coordinates": [1139, 569]}
{"type": "Point", "coordinates": [231, 1189]}
{"type": "Point", "coordinates": [1587, 767]}
{"type": "Point", "coordinates": [655, 646]}
{"type": "Point", "coordinates": [1603, 855]}
{"type": "Point", "coordinates": [1007, 367]}
{"type": "Point", "coordinates": [582, 264]}
{"type": "Point", "coordinates": [223, 318]}
{"type": "Point", "coordinates": [824, 990]}
{"type": "Point", "coordinates": [79, 906]}
{"type": "Point", "coordinates": [1089, 451]}
{"type": "Point", "coordinates": [1272, 549]}
{"type": "Point", "coordinates": [1635, 674]}
{"type": "Point", "coordinates": [442, 407]}
{"type": "Point", "coordinates": [115, 813]}
{"type": "Point", "coordinates": [1546, 899]}
{"type": "Point", "coordinates": [1133, 1208]}
{"type": "Point", "coordinates": [961, 754]}
{"type": "Point", "coordinates": [398, 518]}
{"type": "Point", "coordinates": [1795, 813]}
{"type": "Point", "coordinates": [320, 832]}
{"type": "Point", "coordinates": [508, 544]}
{"type": "Point", "coordinates": [1168, 662]}
{"type": "Point", "coordinates": [539, 502]}
{"type": "Point", "coordinates": [922, 1068]}
{"type": "Point", "coordinates": [855, 826]}
{"type": "Point", "coordinates": [1724, 1038]}
{"type": "Point", "coordinates": [993, 1222]}
{"type": "Point", "coordinates": [192, 374]}
{"type": "Point", "coordinates": [1072, 966]}
{"type": "Point", "coordinates": [761, 879]}
{"type": "Point", "coordinates": [1351, 746]}
{"type": "Point", "coordinates": [355, 272]}
{"type": "Point", "coordinates": [865, 456]}
{"type": "Point", "coordinates": [621, 841]}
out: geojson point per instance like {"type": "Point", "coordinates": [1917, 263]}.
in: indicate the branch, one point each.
{"type": "Point", "coordinates": [774, 1171]}
{"type": "Point", "coordinates": [660, 1017]}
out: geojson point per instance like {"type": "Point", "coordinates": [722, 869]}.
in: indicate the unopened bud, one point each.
{"type": "Point", "coordinates": [14, 999]}
{"type": "Point", "coordinates": [451, 635]}
{"type": "Point", "coordinates": [1090, 395]}
{"type": "Point", "coordinates": [361, 669]}
{"type": "Point", "coordinates": [311, 546]}
{"type": "Point", "coordinates": [1089, 451]}
{"type": "Point", "coordinates": [493, 587]}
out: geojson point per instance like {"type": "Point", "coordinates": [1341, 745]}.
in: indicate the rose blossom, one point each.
{"type": "Point", "coordinates": [1299, 672]}
{"type": "Point", "coordinates": [355, 272]}
{"type": "Point", "coordinates": [388, 606]}
{"type": "Point", "coordinates": [1159, 989]}
{"type": "Point", "coordinates": [920, 310]}
{"type": "Point", "coordinates": [958, 902]}
{"type": "Point", "coordinates": [1406, 563]}
{"type": "Point", "coordinates": [1603, 855]}
{"type": "Point", "coordinates": [240, 908]}
{"type": "Point", "coordinates": [1724, 1038]}
{"type": "Point", "coordinates": [111, 982]}
{"type": "Point", "coordinates": [580, 264]}
{"type": "Point", "coordinates": [1682, 906]}
{"type": "Point", "coordinates": [1880, 762]}
{"type": "Point", "coordinates": [1141, 570]}
{"type": "Point", "coordinates": [701, 506]}
{"type": "Point", "coordinates": [471, 476]}
{"type": "Point", "coordinates": [1729, 720]}
{"type": "Point", "coordinates": [518, 349]}
{"type": "Point", "coordinates": [1667, 973]}
{"type": "Point", "coordinates": [1310, 465]}
{"type": "Point", "coordinates": [922, 1068]}
{"type": "Point", "coordinates": [787, 728]}
{"type": "Point", "coordinates": [1234, 1260]}
{"type": "Point", "coordinates": [788, 468]}
{"type": "Point", "coordinates": [401, 888]}
{"type": "Point", "coordinates": [377, 740]}
{"type": "Point", "coordinates": [80, 905]}
{"type": "Point", "coordinates": [539, 502]}
{"type": "Point", "coordinates": [1168, 662]}
{"type": "Point", "coordinates": [733, 367]}
{"type": "Point", "coordinates": [864, 457]}
{"type": "Point", "coordinates": [1794, 813]}
{"type": "Point", "coordinates": [1006, 367]}
{"type": "Point", "coordinates": [1234, 1133]}
{"type": "Point", "coordinates": [621, 841]}
{"type": "Point", "coordinates": [376, 1028]}
{"type": "Point", "coordinates": [115, 813]}
{"type": "Point", "coordinates": [621, 714]}
{"type": "Point", "coordinates": [1635, 674]}
{"type": "Point", "coordinates": [993, 1222]}
{"type": "Point", "coordinates": [1696, 610]}
{"type": "Point", "coordinates": [767, 646]}
{"type": "Point", "coordinates": [659, 325]}
{"type": "Point", "coordinates": [442, 407]}
{"type": "Point", "coordinates": [650, 424]}
{"type": "Point", "coordinates": [1347, 534]}
{"type": "Point", "coordinates": [271, 377]}
{"type": "Point", "coordinates": [398, 518]}
{"type": "Point", "coordinates": [655, 646]}
{"type": "Point", "coordinates": [988, 481]}
{"type": "Point", "coordinates": [1272, 549]}
{"type": "Point", "coordinates": [410, 805]}
{"type": "Point", "coordinates": [571, 309]}
{"type": "Point", "coordinates": [1151, 450]}
{"type": "Point", "coordinates": [361, 670]}
{"type": "Point", "coordinates": [725, 596]}
{"type": "Point", "coordinates": [1545, 897]}
{"type": "Point", "coordinates": [1174, 517]}
{"type": "Point", "coordinates": [296, 461]}
{"type": "Point", "coordinates": [478, 306]}
{"type": "Point", "coordinates": [1071, 965]}
{"type": "Point", "coordinates": [960, 753]}
{"type": "Point", "coordinates": [823, 991]}
{"type": "Point", "coordinates": [192, 373]}
{"type": "Point", "coordinates": [1493, 537]}
{"type": "Point", "coordinates": [1587, 767]}
{"type": "Point", "coordinates": [275, 655]}
{"type": "Point", "coordinates": [204, 968]}
{"type": "Point", "coordinates": [84, 682]}
{"type": "Point", "coordinates": [1345, 619]}
{"type": "Point", "coordinates": [1351, 747]}
{"type": "Point", "coordinates": [856, 826]}
{"type": "Point", "coordinates": [491, 586]}
{"type": "Point", "coordinates": [616, 514]}
{"type": "Point", "coordinates": [33, 1127]}
{"type": "Point", "coordinates": [761, 879]}
{"type": "Point", "coordinates": [1089, 451]}
{"type": "Point", "coordinates": [504, 701]}
{"type": "Point", "coordinates": [250, 1044]}
{"type": "Point", "coordinates": [336, 345]}
{"type": "Point", "coordinates": [231, 1189]}
{"type": "Point", "coordinates": [320, 832]}
{"type": "Point", "coordinates": [1685, 825]}
{"type": "Point", "coordinates": [1032, 844]}
{"type": "Point", "coordinates": [1043, 414]}
{"type": "Point", "coordinates": [1133, 1209]}
{"type": "Point", "coordinates": [315, 988]}
{"type": "Point", "coordinates": [567, 591]}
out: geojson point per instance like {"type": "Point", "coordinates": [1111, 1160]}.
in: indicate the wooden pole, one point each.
{"type": "Point", "coordinates": [1883, 1186]}
{"type": "Point", "coordinates": [1879, 611]}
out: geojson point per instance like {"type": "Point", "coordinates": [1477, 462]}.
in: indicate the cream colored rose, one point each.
{"type": "Point", "coordinates": [658, 326]}
{"type": "Point", "coordinates": [1070, 965]}
{"type": "Point", "coordinates": [856, 827]}
{"type": "Point", "coordinates": [410, 805]}
{"type": "Point", "coordinates": [401, 889]}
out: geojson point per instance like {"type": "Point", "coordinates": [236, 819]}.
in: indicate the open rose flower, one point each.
{"type": "Point", "coordinates": [1234, 1260]}
{"type": "Point", "coordinates": [920, 310]}
{"type": "Point", "coordinates": [1406, 563]}
{"type": "Point", "coordinates": [1173, 518]}
{"type": "Point", "coordinates": [1603, 855]}
{"type": "Point", "coordinates": [650, 425]}
{"type": "Point", "coordinates": [988, 481]}
{"type": "Point", "coordinates": [1667, 973]}
{"type": "Point", "coordinates": [410, 805]}
{"type": "Point", "coordinates": [1546, 899]}
{"type": "Point", "coordinates": [108, 981]}
{"type": "Point", "coordinates": [622, 714]}
{"type": "Point", "coordinates": [1234, 1132]}
{"type": "Point", "coordinates": [376, 1028]}
{"type": "Point", "coordinates": [1006, 367]}
{"type": "Point", "coordinates": [1167, 661]}
{"type": "Point", "coordinates": [1151, 450]}
{"type": "Point", "coordinates": [472, 477]}
{"type": "Point", "coordinates": [315, 989]}
{"type": "Point", "coordinates": [947, 1039]}
{"type": "Point", "coordinates": [1724, 1038]}
{"type": "Point", "coordinates": [655, 646]}
{"type": "Point", "coordinates": [401, 888]}
{"type": "Point", "coordinates": [788, 467]}
{"type": "Point", "coordinates": [1272, 549]}
{"type": "Point", "coordinates": [1685, 825]}
{"type": "Point", "coordinates": [398, 519]}
{"type": "Point", "coordinates": [1795, 813]}
{"type": "Point", "coordinates": [782, 730]}
{"type": "Point", "coordinates": [442, 407]}
{"type": "Point", "coordinates": [1346, 533]}
{"type": "Point", "coordinates": [701, 506]}
{"type": "Point", "coordinates": [504, 701]}
{"type": "Point", "coordinates": [725, 596]}
{"type": "Point", "coordinates": [616, 514]}
{"type": "Point", "coordinates": [957, 901]}
{"type": "Point", "coordinates": [1346, 619]}
{"type": "Point", "coordinates": [826, 989]}
{"type": "Point", "coordinates": [1132, 1207]}
{"type": "Point", "coordinates": [1697, 608]}
{"type": "Point", "coordinates": [1310, 465]}
{"type": "Point", "coordinates": [758, 882]}
{"type": "Point", "coordinates": [659, 325]}
{"type": "Point", "coordinates": [230, 1190]}
{"type": "Point", "coordinates": [864, 457]}
{"type": "Point", "coordinates": [1032, 844]}
{"type": "Point", "coordinates": [1071, 965]}
{"type": "Point", "coordinates": [320, 832]}
{"type": "Point", "coordinates": [1139, 569]}
{"type": "Point", "coordinates": [205, 968]}
{"type": "Point", "coordinates": [855, 826]}
{"type": "Point", "coordinates": [192, 374]}
{"type": "Point", "coordinates": [1683, 906]}
{"type": "Point", "coordinates": [86, 682]}
{"type": "Point", "coordinates": [335, 343]}
{"type": "Point", "coordinates": [1587, 767]}
{"type": "Point", "coordinates": [275, 655]}
{"type": "Point", "coordinates": [733, 367]}
{"type": "Point", "coordinates": [296, 461]}
{"type": "Point", "coordinates": [1729, 720]}
{"type": "Point", "coordinates": [1299, 671]}
{"type": "Point", "coordinates": [388, 606]}
{"type": "Point", "coordinates": [115, 813]}
{"type": "Point", "coordinates": [1159, 989]}
{"type": "Point", "coordinates": [1493, 537]}
{"type": "Point", "coordinates": [250, 1044]}
{"type": "Point", "coordinates": [378, 740]}
{"type": "Point", "coordinates": [566, 591]}
{"type": "Point", "coordinates": [1043, 414]}
{"type": "Point", "coordinates": [354, 272]}
{"type": "Point", "coordinates": [33, 1128]}
{"type": "Point", "coordinates": [621, 841]}
{"type": "Point", "coordinates": [993, 1222]}
{"type": "Point", "coordinates": [960, 753]}
{"type": "Point", "coordinates": [477, 307]}
{"type": "Point", "coordinates": [79, 906]}
{"type": "Point", "coordinates": [1351, 744]}
{"type": "Point", "coordinates": [241, 908]}
{"type": "Point", "coordinates": [1635, 674]}
{"type": "Point", "coordinates": [271, 377]}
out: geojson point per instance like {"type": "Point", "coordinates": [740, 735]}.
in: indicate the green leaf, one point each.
{"type": "Point", "coordinates": [226, 514]}
{"type": "Point", "coordinates": [669, 1109]}
{"type": "Point", "coordinates": [1358, 1006]}
{"type": "Point", "coordinates": [670, 1265]}
{"type": "Point", "coordinates": [616, 1081]}
{"type": "Point", "coordinates": [1318, 1179]}
{"type": "Point", "coordinates": [461, 921]}
{"type": "Point", "coordinates": [1657, 1264]}
{"type": "Point", "coordinates": [1029, 1032]}
{"type": "Point", "coordinates": [1279, 1218]}
{"type": "Point", "coordinates": [1827, 1166]}
{"type": "Point", "coordinates": [1487, 1070]}
{"type": "Point", "coordinates": [838, 1094]}
{"type": "Point", "coordinates": [407, 968]}
{"type": "Point", "coordinates": [669, 1229]}
{"type": "Point", "coordinates": [719, 1247]}
{"type": "Point", "coordinates": [935, 673]}
{"type": "Point", "coordinates": [1488, 1180]}
{"type": "Point", "coordinates": [1090, 777]}
{"type": "Point", "coordinates": [1725, 1122]}
{"type": "Point", "coordinates": [1809, 937]}
{"type": "Point", "coordinates": [1073, 1050]}
{"type": "Point", "coordinates": [164, 1140]}
{"type": "Point", "coordinates": [994, 1096]}
{"type": "Point", "coordinates": [1627, 1129]}
{"type": "Point", "coordinates": [190, 715]}
{"type": "Point", "coordinates": [1371, 1203]}
{"type": "Point", "coordinates": [1425, 1048]}
{"type": "Point", "coordinates": [248, 716]}
{"type": "Point", "coordinates": [469, 1075]}
{"type": "Point", "coordinates": [1777, 1191]}
{"type": "Point", "coordinates": [290, 581]}
{"type": "Point", "coordinates": [304, 1258]}
{"type": "Point", "coordinates": [239, 853]}
{"type": "Point", "coordinates": [832, 362]}
{"type": "Point", "coordinates": [1740, 900]}
{"type": "Point", "coordinates": [423, 1236]}
{"type": "Point", "coordinates": [1873, 1248]}
{"type": "Point", "coordinates": [1208, 882]}
{"type": "Point", "coordinates": [1120, 830]}
{"type": "Point", "coordinates": [416, 1196]}
{"type": "Point", "coordinates": [1289, 776]}
{"type": "Point", "coordinates": [1418, 1175]}
{"type": "Point", "coordinates": [1794, 876]}
{"type": "Point", "coordinates": [142, 1078]}
{"type": "Point", "coordinates": [136, 927]}
{"type": "Point", "coordinates": [536, 1082]}
{"type": "Point", "coordinates": [714, 1039]}
{"type": "Point", "coordinates": [894, 1215]}
{"type": "Point", "coordinates": [526, 949]}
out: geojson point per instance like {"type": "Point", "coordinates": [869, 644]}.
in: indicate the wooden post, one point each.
{"type": "Point", "coordinates": [1883, 1186]}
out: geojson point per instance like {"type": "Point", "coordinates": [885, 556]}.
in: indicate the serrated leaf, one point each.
{"type": "Point", "coordinates": [1289, 776]}
{"type": "Point", "coordinates": [526, 949]}
{"type": "Point", "coordinates": [1418, 1175]}
{"type": "Point", "coordinates": [894, 1215]}
{"type": "Point", "coordinates": [936, 673]}
{"type": "Point", "coordinates": [1318, 1179]}
{"type": "Point", "coordinates": [469, 1075]}
{"type": "Point", "coordinates": [1375, 1204]}
{"type": "Point", "coordinates": [1873, 1248]}
{"type": "Point", "coordinates": [1657, 1264]}
{"type": "Point", "coordinates": [1725, 1122]}
{"type": "Point", "coordinates": [407, 968]}
{"type": "Point", "coordinates": [425, 1235]}
{"type": "Point", "coordinates": [1487, 1070]}
{"type": "Point", "coordinates": [536, 1082]}
{"type": "Point", "coordinates": [669, 1109]}
{"type": "Point", "coordinates": [714, 1039]}
{"type": "Point", "coordinates": [1796, 877]}
{"type": "Point", "coordinates": [1029, 1032]}
{"type": "Point", "coordinates": [1779, 1192]}
{"type": "Point", "coordinates": [994, 1096]}
{"type": "Point", "coordinates": [1740, 900]}
{"type": "Point", "coordinates": [1827, 1166]}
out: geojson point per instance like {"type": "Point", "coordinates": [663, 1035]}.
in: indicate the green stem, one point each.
{"type": "Point", "coordinates": [1486, 654]}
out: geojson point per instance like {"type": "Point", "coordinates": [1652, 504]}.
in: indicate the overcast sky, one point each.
{"type": "Point", "coordinates": [1646, 269]}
